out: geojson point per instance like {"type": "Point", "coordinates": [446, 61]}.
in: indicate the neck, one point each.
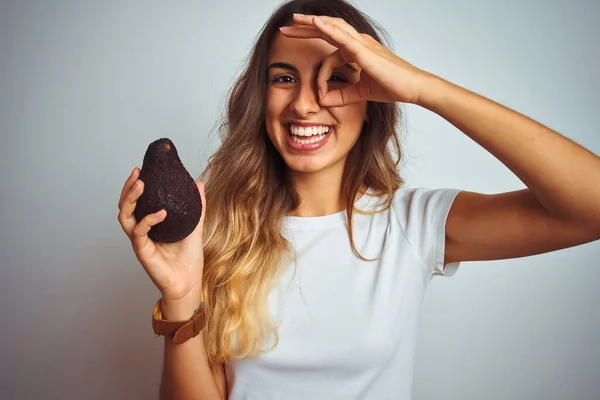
{"type": "Point", "coordinates": [318, 197]}
{"type": "Point", "coordinates": [320, 193]}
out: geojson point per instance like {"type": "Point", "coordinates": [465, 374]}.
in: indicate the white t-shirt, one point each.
{"type": "Point", "coordinates": [348, 327]}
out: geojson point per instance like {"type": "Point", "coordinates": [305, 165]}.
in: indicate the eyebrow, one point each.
{"type": "Point", "coordinates": [317, 67]}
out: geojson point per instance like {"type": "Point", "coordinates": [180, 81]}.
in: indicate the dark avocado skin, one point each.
{"type": "Point", "coordinates": [168, 185]}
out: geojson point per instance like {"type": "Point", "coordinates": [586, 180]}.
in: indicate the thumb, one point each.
{"type": "Point", "coordinates": [200, 226]}
{"type": "Point", "coordinates": [341, 97]}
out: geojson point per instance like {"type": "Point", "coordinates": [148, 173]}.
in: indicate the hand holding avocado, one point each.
{"type": "Point", "coordinates": [161, 213]}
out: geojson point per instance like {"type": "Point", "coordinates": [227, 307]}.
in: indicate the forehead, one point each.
{"type": "Point", "coordinates": [300, 52]}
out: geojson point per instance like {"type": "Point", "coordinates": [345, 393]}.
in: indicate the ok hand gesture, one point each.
{"type": "Point", "coordinates": [381, 76]}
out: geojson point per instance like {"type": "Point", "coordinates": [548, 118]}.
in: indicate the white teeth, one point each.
{"type": "Point", "coordinates": [312, 134]}
{"type": "Point", "coordinates": [308, 141]}
{"type": "Point", "coordinates": [308, 131]}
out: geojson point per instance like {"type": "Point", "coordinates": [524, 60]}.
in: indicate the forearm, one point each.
{"type": "Point", "coordinates": [564, 177]}
{"type": "Point", "coordinates": [186, 371]}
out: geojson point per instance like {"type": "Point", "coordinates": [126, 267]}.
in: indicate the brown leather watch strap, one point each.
{"type": "Point", "coordinates": [179, 331]}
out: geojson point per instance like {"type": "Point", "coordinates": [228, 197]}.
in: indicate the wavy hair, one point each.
{"type": "Point", "coordinates": [249, 193]}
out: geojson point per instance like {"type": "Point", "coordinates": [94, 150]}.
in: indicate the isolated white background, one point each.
{"type": "Point", "coordinates": [86, 85]}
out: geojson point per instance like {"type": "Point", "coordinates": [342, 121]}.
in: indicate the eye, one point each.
{"type": "Point", "coordinates": [337, 78]}
{"type": "Point", "coordinates": [283, 79]}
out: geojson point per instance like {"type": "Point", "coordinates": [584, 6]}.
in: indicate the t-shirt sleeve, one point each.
{"type": "Point", "coordinates": [422, 215]}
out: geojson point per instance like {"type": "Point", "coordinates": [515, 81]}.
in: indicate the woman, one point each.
{"type": "Point", "coordinates": [312, 257]}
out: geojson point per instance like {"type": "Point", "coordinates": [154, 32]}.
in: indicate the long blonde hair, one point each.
{"type": "Point", "coordinates": [248, 194]}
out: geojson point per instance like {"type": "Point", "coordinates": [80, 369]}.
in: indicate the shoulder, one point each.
{"type": "Point", "coordinates": [422, 212]}
{"type": "Point", "coordinates": [413, 208]}
{"type": "Point", "coordinates": [409, 201]}
{"type": "Point", "coordinates": [421, 201]}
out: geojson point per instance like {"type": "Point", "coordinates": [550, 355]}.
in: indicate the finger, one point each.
{"type": "Point", "coordinates": [334, 61]}
{"type": "Point", "coordinates": [301, 31]}
{"type": "Point", "coordinates": [339, 37]}
{"type": "Point", "coordinates": [341, 97]}
{"type": "Point", "coordinates": [200, 226]}
{"type": "Point", "coordinates": [332, 34]}
{"type": "Point", "coordinates": [127, 207]}
{"type": "Point", "coordinates": [142, 244]}
{"type": "Point", "coordinates": [338, 22]}
{"type": "Point", "coordinates": [337, 32]}
{"type": "Point", "coordinates": [128, 184]}
{"type": "Point", "coordinates": [306, 32]}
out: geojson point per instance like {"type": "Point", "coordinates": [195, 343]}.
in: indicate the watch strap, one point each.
{"type": "Point", "coordinates": [179, 331]}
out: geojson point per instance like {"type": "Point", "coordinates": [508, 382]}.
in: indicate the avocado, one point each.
{"type": "Point", "coordinates": [168, 185]}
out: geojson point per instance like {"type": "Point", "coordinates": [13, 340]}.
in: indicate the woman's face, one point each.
{"type": "Point", "coordinates": [310, 138]}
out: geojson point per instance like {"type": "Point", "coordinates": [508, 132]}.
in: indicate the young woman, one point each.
{"type": "Point", "coordinates": [312, 258]}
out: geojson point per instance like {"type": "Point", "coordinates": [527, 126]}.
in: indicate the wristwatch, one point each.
{"type": "Point", "coordinates": [178, 331]}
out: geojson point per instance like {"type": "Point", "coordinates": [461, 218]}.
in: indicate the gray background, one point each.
{"type": "Point", "coordinates": [85, 86]}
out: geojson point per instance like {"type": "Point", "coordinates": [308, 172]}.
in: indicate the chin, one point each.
{"type": "Point", "coordinates": [310, 165]}
{"type": "Point", "coordinates": [305, 168]}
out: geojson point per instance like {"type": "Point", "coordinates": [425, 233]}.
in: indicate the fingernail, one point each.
{"type": "Point", "coordinates": [285, 28]}
{"type": "Point", "coordinates": [298, 15]}
{"type": "Point", "coordinates": [319, 21]}
{"type": "Point", "coordinates": [320, 94]}
{"type": "Point", "coordinates": [160, 213]}
{"type": "Point", "coordinates": [136, 184]}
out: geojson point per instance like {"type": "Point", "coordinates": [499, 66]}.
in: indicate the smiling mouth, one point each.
{"type": "Point", "coordinates": [308, 135]}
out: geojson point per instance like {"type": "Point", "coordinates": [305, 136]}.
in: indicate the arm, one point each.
{"type": "Point", "coordinates": [559, 208]}
{"type": "Point", "coordinates": [176, 270]}
{"type": "Point", "coordinates": [561, 205]}
{"type": "Point", "coordinates": [186, 372]}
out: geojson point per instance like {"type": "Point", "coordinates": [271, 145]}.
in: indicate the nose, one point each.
{"type": "Point", "coordinates": [305, 100]}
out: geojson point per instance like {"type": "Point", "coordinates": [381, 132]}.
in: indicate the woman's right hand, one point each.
{"type": "Point", "coordinates": [175, 268]}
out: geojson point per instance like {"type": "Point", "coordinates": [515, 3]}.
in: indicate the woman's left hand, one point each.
{"type": "Point", "coordinates": [381, 76]}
